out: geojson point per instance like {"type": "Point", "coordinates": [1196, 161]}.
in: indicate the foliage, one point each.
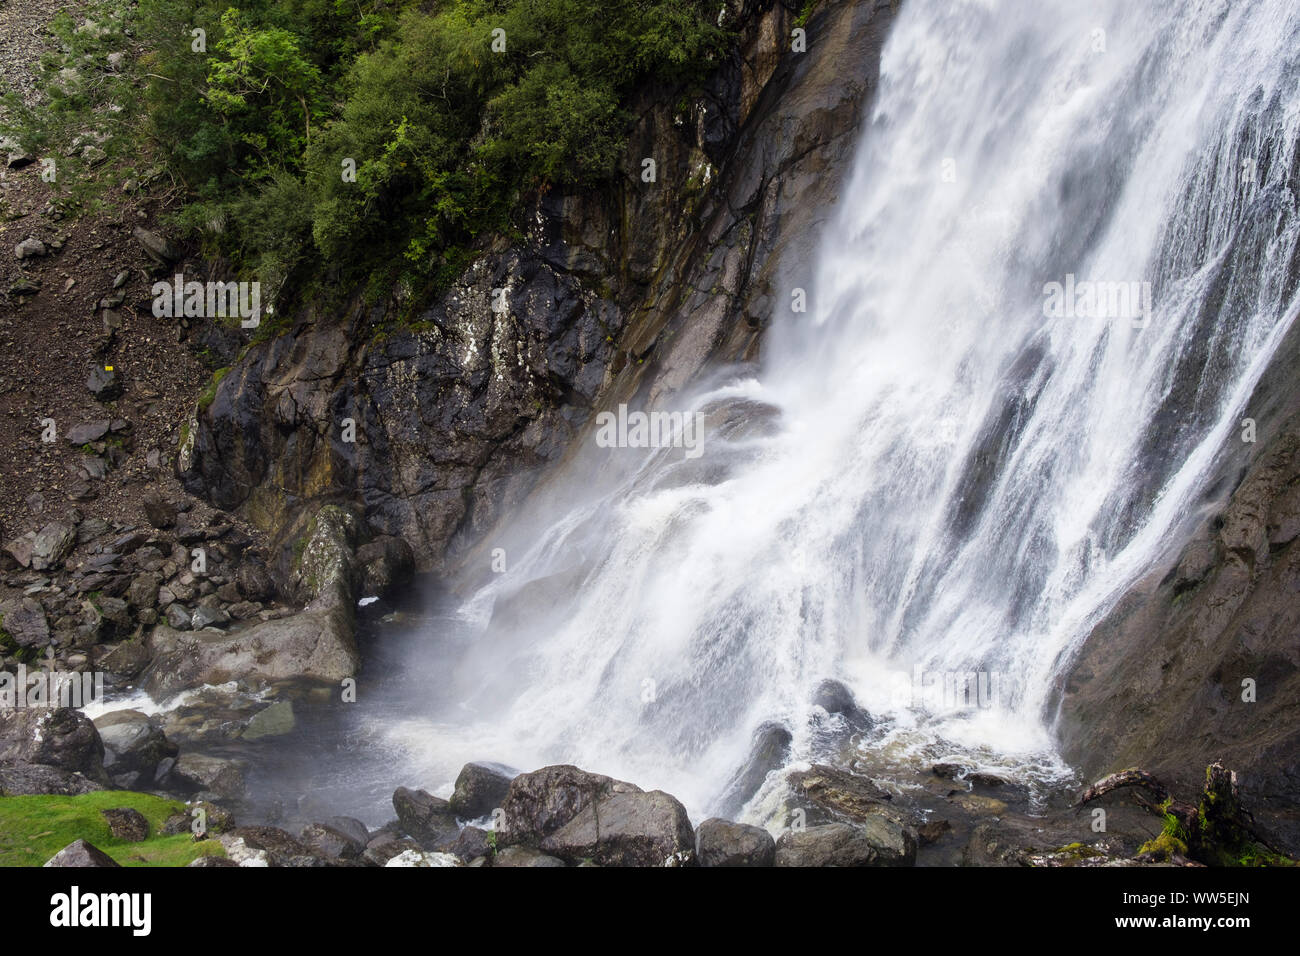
{"type": "Point", "coordinates": [450, 112]}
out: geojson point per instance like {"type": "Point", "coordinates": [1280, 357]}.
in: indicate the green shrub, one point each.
{"type": "Point", "coordinates": [447, 135]}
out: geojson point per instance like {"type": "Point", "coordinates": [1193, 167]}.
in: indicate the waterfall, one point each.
{"type": "Point", "coordinates": [1063, 258]}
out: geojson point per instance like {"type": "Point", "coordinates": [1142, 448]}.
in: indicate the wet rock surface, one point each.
{"type": "Point", "coordinates": [1210, 635]}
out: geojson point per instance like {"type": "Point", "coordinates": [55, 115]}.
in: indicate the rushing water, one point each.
{"type": "Point", "coordinates": [948, 478]}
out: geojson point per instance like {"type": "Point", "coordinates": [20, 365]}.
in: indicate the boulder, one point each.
{"type": "Point", "coordinates": [840, 793]}
{"type": "Point", "coordinates": [540, 803]}
{"type": "Point", "coordinates": [322, 567]}
{"type": "Point", "coordinates": [316, 643]}
{"type": "Point", "coordinates": [87, 432]}
{"type": "Point", "coordinates": [720, 842]}
{"type": "Point", "coordinates": [23, 619]}
{"type": "Point", "coordinates": [837, 700]}
{"type": "Point", "coordinates": [126, 659]}
{"type": "Point", "coordinates": [53, 543]}
{"type": "Point", "coordinates": [81, 853]}
{"type": "Point", "coordinates": [104, 384]}
{"type": "Point", "coordinates": [126, 823]}
{"type": "Point", "coordinates": [330, 843]}
{"type": "Point", "coordinates": [626, 829]}
{"type": "Point", "coordinates": [384, 846]}
{"type": "Point", "coordinates": [132, 744]}
{"type": "Point", "coordinates": [157, 247]}
{"type": "Point", "coordinates": [108, 617]}
{"type": "Point", "coordinates": [20, 549]}
{"type": "Point", "coordinates": [427, 819]}
{"type": "Point", "coordinates": [272, 844]}
{"type": "Point", "coordinates": [214, 819]}
{"type": "Point", "coordinates": [216, 775]}
{"type": "Point", "coordinates": [480, 789]}
{"type": "Point", "coordinates": [876, 842]}
{"type": "Point", "coordinates": [63, 738]}
{"type": "Point", "coordinates": [422, 858]}
{"type": "Point", "coordinates": [470, 844]}
{"type": "Point", "coordinates": [208, 617]}
{"type": "Point", "coordinates": [29, 248]}
{"type": "Point", "coordinates": [254, 582]}
{"type": "Point", "coordinates": [351, 827]}
{"type": "Point", "coordinates": [142, 592]}
{"type": "Point", "coordinates": [927, 834]}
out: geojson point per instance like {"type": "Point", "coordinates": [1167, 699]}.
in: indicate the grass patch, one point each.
{"type": "Point", "coordinates": [34, 828]}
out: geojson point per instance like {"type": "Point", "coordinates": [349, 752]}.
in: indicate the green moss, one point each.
{"type": "Point", "coordinates": [1165, 845]}
{"type": "Point", "coordinates": [1256, 855]}
{"type": "Point", "coordinates": [34, 828]}
{"type": "Point", "coordinates": [806, 13]}
{"type": "Point", "coordinates": [1172, 838]}
{"type": "Point", "coordinates": [209, 394]}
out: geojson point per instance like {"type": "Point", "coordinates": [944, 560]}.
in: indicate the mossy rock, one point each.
{"type": "Point", "coordinates": [323, 560]}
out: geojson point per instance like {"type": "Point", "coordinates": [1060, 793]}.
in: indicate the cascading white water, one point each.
{"type": "Point", "coordinates": [954, 481]}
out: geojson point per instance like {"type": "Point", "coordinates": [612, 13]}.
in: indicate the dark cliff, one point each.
{"type": "Point", "coordinates": [622, 294]}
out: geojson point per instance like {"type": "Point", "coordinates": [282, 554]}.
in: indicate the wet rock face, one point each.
{"type": "Point", "coordinates": [422, 426]}
{"type": "Point", "coordinates": [1210, 637]}
{"type": "Point", "coordinates": [769, 751]}
{"type": "Point", "coordinates": [440, 428]}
